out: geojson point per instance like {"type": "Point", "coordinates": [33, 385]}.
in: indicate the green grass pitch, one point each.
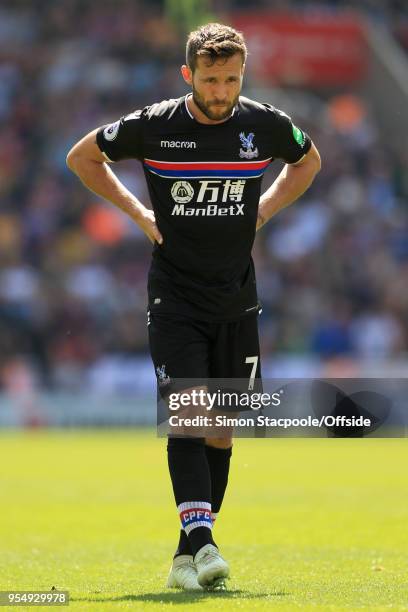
{"type": "Point", "coordinates": [307, 524]}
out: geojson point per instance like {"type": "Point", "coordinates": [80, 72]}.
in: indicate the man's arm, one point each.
{"type": "Point", "coordinates": [291, 183]}
{"type": "Point", "coordinates": [86, 160]}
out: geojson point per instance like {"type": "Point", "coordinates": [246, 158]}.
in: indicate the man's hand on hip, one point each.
{"type": "Point", "coordinates": [147, 224]}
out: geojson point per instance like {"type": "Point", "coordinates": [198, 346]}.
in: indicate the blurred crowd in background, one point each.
{"type": "Point", "coordinates": [332, 270]}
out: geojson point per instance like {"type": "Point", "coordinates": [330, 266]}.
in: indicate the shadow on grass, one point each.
{"type": "Point", "coordinates": [183, 597]}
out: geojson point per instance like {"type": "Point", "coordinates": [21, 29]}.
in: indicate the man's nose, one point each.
{"type": "Point", "coordinates": [220, 93]}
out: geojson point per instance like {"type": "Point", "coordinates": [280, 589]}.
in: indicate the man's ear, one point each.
{"type": "Point", "coordinates": [187, 74]}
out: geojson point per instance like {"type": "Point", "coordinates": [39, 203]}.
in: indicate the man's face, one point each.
{"type": "Point", "coordinates": [216, 87]}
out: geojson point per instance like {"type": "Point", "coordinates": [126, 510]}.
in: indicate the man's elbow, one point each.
{"type": "Point", "coordinates": [72, 160]}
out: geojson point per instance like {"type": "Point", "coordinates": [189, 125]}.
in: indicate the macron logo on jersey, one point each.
{"type": "Point", "coordinates": [178, 144]}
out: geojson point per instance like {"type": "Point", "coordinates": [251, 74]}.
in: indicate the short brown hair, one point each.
{"type": "Point", "coordinates": [214, 40]}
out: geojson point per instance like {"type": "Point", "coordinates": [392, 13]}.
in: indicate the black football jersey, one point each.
{"type": "Point", "coordinates": [204, 182]}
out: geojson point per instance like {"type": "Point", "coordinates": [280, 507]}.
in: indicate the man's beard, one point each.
{"type": "Point", "coordinates": [216, 114]}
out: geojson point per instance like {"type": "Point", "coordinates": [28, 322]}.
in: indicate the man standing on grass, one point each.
{"type": "Point", "coordinates": [203, 156]}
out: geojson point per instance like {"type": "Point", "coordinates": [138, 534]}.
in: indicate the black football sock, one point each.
{"type": "Point", "coordinates": [219, 464]}
{"type": "Point", "coordinates": [191, 480]}
{"type": "Point", "coordinates": [184, 546]}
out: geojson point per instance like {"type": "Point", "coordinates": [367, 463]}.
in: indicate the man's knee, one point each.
{"type": "Point", "coordinates": [219, 442]}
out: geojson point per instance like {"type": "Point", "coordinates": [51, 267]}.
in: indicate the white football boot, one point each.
{"type": "Point", "coordinates": [183, 574]}
{"type": "Point", "coordinates": [212, 569]}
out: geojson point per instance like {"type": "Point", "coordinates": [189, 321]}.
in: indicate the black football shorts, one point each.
{"type": "Point", "coordinates": [183, 348]}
